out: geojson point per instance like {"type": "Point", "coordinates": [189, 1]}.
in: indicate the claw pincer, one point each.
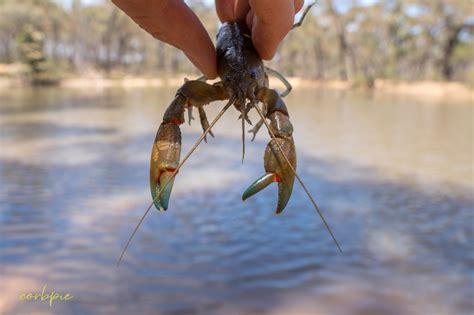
{"type": "Point", "coordinates": [164, 161]}
{"type": "Point", "coordinates": [276, 165]}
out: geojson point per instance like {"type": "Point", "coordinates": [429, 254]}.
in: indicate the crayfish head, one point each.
{"type": "Point", "coordinates": [242, 85]}
{"type": "Point", "coordinates": [238, 64]}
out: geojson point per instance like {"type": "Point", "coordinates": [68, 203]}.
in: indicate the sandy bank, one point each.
{"type": "Point", "coordinates": [426, 89]}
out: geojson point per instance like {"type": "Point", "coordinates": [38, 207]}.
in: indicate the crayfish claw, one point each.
{"type": "Point", "coordinates": [166, 150]}
{"type": "Point", "coordinates": [165, 189]}
{"type": "Point", "coordinates": [278, 170]}
{"type": "Point", "coordinates": [284, 193]}
{"type": "Point", "coordinates": [258, 185]}
{"type": "Point", "coordinates": [164, 161]}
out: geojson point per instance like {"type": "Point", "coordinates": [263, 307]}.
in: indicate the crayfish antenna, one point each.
{"type": "Point", "coordinates": [305, 12]}
{"type": "Point", "coordinates": [134, 232]}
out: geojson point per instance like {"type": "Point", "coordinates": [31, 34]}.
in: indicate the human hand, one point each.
{"type": "Point", "coordinates": [269, 20]}
{"type": "Point", "coordinates": [173, 22]}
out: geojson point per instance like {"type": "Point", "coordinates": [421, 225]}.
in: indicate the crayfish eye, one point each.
{"type": "Point", "coordinates": [253, 74]}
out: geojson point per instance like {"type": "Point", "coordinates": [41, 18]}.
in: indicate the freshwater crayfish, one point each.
{"type": "Point", "coordinates": [243, 77]}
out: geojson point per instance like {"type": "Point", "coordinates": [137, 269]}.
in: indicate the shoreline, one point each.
{"type": "Point", "coordinates": [433, 89]}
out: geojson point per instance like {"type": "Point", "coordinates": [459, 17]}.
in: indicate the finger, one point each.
{"type": "Point", "coordinates": [272, 21]}
{"type": "Point", "coordinates": [232, 10]}
{"type": "Point", "coordinates": [174, 23]}
{"type": "Point", "coordinates": [298, 5]}
{"type": "Point", "coordinates": [249, 19]}
{"type": "Point", "coordinates": [250, 15]}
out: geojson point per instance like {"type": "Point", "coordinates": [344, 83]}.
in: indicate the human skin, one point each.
{"type": "Point", "coordinates": [173, 22]}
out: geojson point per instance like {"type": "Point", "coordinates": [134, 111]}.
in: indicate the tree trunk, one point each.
{"type": "Point", "coordinates": [341, 38]}
{"type": "Point", "coordinates": [342, 56]}
{"type": "Point", "coordinates": [161, 62]}
{"type": "Point", "coordinates": [108, 39]}
{"type": "Point", "coordinates": [7, 51]}
{"type": "Point", "coordinates": [76, 40]}
{"type": "Point", "coordinates": [448, 49]}
{"type": "Point", "coordinates": [318, 52]}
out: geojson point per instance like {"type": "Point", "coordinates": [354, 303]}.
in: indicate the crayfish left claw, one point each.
{"type": "Point", "coordinates": [164, 161]}
{"type": "Point", "coordinates": [166, 149]}
{"type": "Point", "coordinates": [165, 189]}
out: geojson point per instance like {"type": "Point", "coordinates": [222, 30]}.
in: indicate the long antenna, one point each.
{"type": "Point", "coordinates": [305, 12]}
{"type": "Point", "coordinates": [242, 111]}
{"type": "Point", "coordinates": [298, 177]}
{"type": "Point", "coordinates": [133, 233]}
{"type": "Point", "coordinates": [196, 144]}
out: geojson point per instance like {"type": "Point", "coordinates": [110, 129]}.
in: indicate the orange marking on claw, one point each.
{"type": "Point", "coordinates": [167, 169]}
{"type": "Point", "coordinates": [176, 121]}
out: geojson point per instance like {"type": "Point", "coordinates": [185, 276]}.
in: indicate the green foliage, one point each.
{"type": "Point", "coordinates": [31, 47]}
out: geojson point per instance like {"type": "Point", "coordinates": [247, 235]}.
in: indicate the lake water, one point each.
{"type": "Point", "coordinates": [393, 176]}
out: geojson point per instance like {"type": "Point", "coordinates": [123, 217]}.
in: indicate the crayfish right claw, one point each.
{"type": "Point", "coordinates": [278, 170]}
{"type": "Point", "coordinates": [258, 185]}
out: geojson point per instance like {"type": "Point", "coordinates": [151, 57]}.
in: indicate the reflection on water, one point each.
{"type": "Point", "coordinates": [394, 177]}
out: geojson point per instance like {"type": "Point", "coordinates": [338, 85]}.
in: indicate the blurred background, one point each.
{"type": "Point", "coordinates": [357, 40]}
{"type": "Point", "coordinates": [382, 108]}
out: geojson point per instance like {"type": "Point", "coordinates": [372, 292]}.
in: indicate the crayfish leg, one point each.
{"type": "Point", "coordinates": [204, 122]}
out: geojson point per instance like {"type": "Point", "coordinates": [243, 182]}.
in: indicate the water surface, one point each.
{"type": "Point", "coordinates": [393, 176]}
